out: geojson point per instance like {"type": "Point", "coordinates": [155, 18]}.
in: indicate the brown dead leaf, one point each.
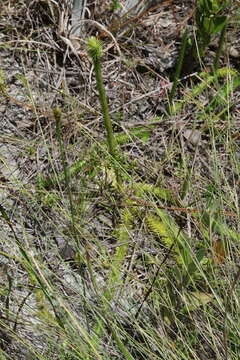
{"type": "Point", "coordinates": [218, 251]}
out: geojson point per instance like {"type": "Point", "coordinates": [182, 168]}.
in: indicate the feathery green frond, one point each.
{"type": "Point", "coordinates": [144, 188]}
{"type": "Point", "coordinates": [160, 229]}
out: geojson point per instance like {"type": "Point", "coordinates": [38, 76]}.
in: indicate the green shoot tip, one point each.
{"type": "Point", "coordinates": [94, 48]}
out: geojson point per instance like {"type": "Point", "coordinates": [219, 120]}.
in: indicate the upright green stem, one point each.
{"type": "Point", "coordinates": [105, 110]}
{"type": "Point", "coordinates": [95, 51]}
{"type": "Point", "coordinates": [220, 46]}
{"type": "Point", "coordinates": [178, 69]}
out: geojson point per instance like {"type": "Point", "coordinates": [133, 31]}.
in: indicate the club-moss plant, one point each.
{"type": "Point", "coordinates": [95, 51]}
{"type": "Point", "coordinates": [207, 79]}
